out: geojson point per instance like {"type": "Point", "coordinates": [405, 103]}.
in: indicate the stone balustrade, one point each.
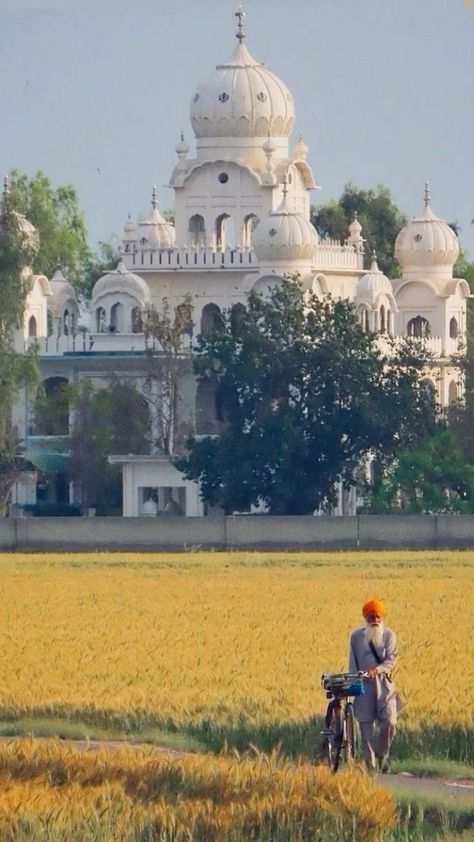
{"type": "Point", "coordinates": [157, 260]}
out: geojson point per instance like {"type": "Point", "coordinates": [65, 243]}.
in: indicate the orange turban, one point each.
{"type": "Point", "coordinates": [374, 605]}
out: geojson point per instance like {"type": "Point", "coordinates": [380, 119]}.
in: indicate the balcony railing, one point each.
{"type": "Point", "coordinates": [160, 260]}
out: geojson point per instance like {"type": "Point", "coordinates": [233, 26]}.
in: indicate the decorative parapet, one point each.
{"type": "Point", "coordinates": [330, 254]}
{"type": "Point", "coordinates": [157, 260]}
{"type": "Point", "coordinates": [99, 343]}
{"type": "Point", "coordinates": [435, 345]}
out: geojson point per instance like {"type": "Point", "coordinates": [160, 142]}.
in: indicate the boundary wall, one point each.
{"type": "Point", "coordinates": [238, 532]}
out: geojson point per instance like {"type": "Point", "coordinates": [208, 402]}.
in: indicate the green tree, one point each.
{"type": "Point", "coordinates": [105, 421]}
{"type": "Point", "coordinates": [167, 333]}
{"type": "Point", "coordinates": [305, 396]}
{"type": "Point", "coordinates": [18, 244]}
{"type": "Point", "coordinates": [56, 216]}
{"type": "Point", "coordinates": [433, 477]}
{"type": "Point", "coordinates": [96, 265]}
{"type": "Point", "coordinates": [378, 214]}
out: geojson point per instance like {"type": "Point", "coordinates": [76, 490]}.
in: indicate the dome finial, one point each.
{"type": "Point", "coordinates": [154, 197]}
{"type": "Point", "coordinates": [240, 14]}
{"type": "Point", "coordinates": [427, 193]}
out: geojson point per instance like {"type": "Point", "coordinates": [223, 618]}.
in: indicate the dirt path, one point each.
{"type": "Point", "coordinates": [457, 790]}
{"type": "Point", "coordinates": [462, 790]}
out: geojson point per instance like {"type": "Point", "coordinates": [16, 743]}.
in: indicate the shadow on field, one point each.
{"type": "Point", "coordinates": [293, 738]}
{"type": "Point", "coordinates": [303, 738]}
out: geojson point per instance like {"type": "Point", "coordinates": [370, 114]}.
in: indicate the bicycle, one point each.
{"type": "Point", "coordinates": [339, 731]}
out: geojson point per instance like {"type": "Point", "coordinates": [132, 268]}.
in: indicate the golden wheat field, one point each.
{"type": "Point", "coordinates": [224, 636]}
{"type": "Point", "coordinates": [48, 792]}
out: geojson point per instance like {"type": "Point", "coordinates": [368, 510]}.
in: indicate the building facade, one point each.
{"type": "Point", "coordinates": [242, 202]}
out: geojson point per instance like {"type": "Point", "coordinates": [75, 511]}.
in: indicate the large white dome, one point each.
{"type": "Point", "coordinates": [242, 99]}
{"type": "Point", "coordinates": [284, 235]}
{"type": "Point", "coordinates": [427, 243]}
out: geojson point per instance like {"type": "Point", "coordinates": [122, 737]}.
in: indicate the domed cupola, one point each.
{"type": "Point", "coordinates": [374, 283]}
{"type": "Point", "coordinates": [427, 246]}
{"type": "Point", "coordinates": [27, 231]}
{"type": "Point", "coordinates": [242, 99]}
{"type": "Point", "coordinates": [121, 281]}
{"type": "Point", "coordinates": [284, 235]}
{"type": "Point", "coordinates": [61, 290]}
{"type": "Point", "coordinates": [154, 232]}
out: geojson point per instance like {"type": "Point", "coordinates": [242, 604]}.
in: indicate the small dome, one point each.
{"type": "Point", "coordinates": [355, 230]}
{"type": "Point", "coordinates": [374, 283]}
{"type": "Point", "coordinates": [129, 231]}
{"type": "Point", "coordinates": [300, 150]}
{"type": "Point", "coordinates": [242, 99]}
{"type": "Point", "coordinates": [155, 232]}
{"type": "Point", "coordinates": [426, 243]}
{"type": "Point", "coordinates": [121, 280]}
{"type": "Point", "coordinates": [182, 148]}
{"type": "Point", "coordinates": [284, 235]}
{"type": "Point", "coordinates": [61, 289]}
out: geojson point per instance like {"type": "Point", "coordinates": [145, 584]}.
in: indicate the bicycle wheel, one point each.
{"type": "Point", "coordinates": [333, 735]}
{"type": "Point", "coordinates": [349, 733]}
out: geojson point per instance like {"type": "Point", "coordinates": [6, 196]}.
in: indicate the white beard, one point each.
{"type": "Point", "coordinates": [374, 634]}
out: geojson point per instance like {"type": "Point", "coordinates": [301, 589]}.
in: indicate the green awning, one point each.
{"type": "Point", "coordinates": [48, 453]}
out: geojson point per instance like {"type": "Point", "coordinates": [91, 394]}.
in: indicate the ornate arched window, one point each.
{"type": "Point", "coordinates": [250, 223]}
{"type": "Point", "coordinates": [453, 392]}
{"type": "Point", "coordinates": [364, 319]}
{"type": "Point", "coordinates": [197, 231]}
{"type": "Point", "coordinates": [419, 327]}
{"type": "Point", "coordinates": [100, 320]}
{"type": "Point", "coordinates": [383, 324]}
{"type": "Point", "coordinates": [115, 318]}
{"type": "Point", "coordinates": [453, 328]}
{"type": "Point", "coordinates": [389, 323]}
{"type": "Point", "coordinates": [66, 322]}
{"type": "Point", "coordinates": [210, 318]}
{"type": "Point", "coordinates": [32, 327]}
{"type": "Point", "coordinates": [137, 320]}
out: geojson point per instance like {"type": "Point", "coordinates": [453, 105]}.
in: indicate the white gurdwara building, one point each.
{"type": "Point", "coordinates": [241, 223]}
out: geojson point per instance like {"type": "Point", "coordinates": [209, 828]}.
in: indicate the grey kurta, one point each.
{"type": "Point", "coordinates": [379, 701]}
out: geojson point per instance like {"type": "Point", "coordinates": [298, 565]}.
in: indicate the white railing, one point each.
{"type": "Point", "coordinates": [103, 343]}
{"type": "Point", "coordinates": [435, 345]}
{"type": "Point", "coordinates": [157, 260]}
{"type": "Point", "coordinates": [331, 254]}
{"type": "Point", "coordinates": [59, 345]}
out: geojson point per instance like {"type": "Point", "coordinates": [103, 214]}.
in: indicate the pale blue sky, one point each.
{"type": "Point", "coordinates": [96, 93]}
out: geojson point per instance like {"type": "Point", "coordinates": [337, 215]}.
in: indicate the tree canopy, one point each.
{"type": "Point", "coordinates": [56, 215]}
{"type": "Point", "coordinates": [432, 477]}
{"type": "Point", "coordinates": [106, 420]}
{"type": "Point", "coordinates": [378, 214]}
{"type": "Point", "coordinates": [304, 395]}
{"type": "Point", "coordinates": [17, 251]}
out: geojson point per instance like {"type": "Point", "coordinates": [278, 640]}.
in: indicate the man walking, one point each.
{"type": "Point", "coordinates": [373, 649]}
